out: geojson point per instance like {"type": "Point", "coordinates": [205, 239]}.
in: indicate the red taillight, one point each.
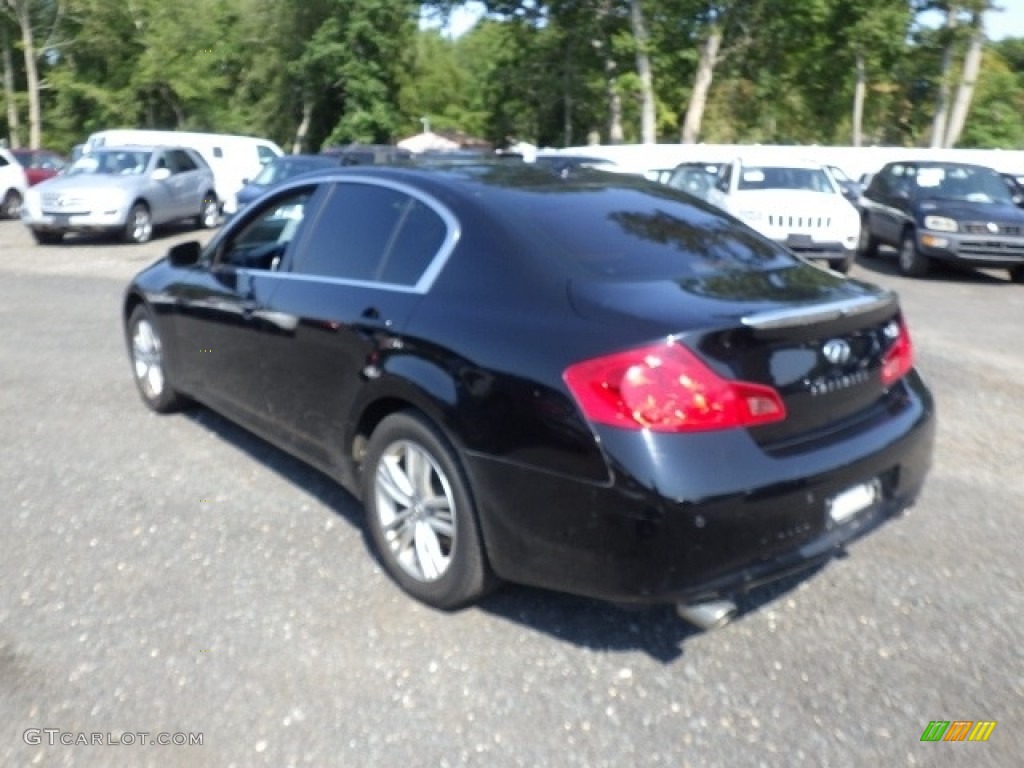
{"type": "Point", "coordinates": [899, 359]}
{"type": "Point", "coordinates": [666, 388]}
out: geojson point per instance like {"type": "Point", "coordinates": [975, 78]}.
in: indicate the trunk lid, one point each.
{"type": "Point", "coordinates": [819, 340]}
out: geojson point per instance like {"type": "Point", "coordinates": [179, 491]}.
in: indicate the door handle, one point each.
{"type": "Point", "coordinates": [373, 315]}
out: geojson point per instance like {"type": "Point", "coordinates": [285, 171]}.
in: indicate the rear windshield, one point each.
{"type": "Point", "coordinates": [638, 233]}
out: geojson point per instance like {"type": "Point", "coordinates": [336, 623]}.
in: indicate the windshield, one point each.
{"type": "Point", "coordinates": [112, 162]}
{"type": "Point", "coordinates": [812, 179]}
{"type": "Point", "coordinates": [966, 183]}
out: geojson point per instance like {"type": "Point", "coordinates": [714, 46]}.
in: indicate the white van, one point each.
{"type": "Point", "coordinates": [233, 159]}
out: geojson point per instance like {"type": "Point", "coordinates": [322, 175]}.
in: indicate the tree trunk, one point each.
{"type": "Point", "coordinates": [615, 134]}
{"type": "Point", "coordinates": [701, 86]}
{"type": "Point", "coordinates": [567, 79]}
{"type": "Point", "coordinates": [648, 115]}
{"type": "Point", "coordinates": [965, 91]}
{"type": "Point", "coordinates": [942, 102]}
{"type": "Point", "coordinates": [24, 18]}
{"type": "Point", "coordinates": [859, 91]}
{"type": "Point", "coordinates": [10, 96]}
{"type": "Point", "coordinates": [307, 116]}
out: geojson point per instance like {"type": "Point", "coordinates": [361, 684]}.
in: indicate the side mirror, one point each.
{"type": "Point", "coordinates": [160, 174]}
{"type": "Point", "coordinates": [1018, 200]}
{"type": "Point", "coordinates": [184, 254]}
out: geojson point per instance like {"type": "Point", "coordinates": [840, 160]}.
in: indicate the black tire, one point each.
{"type": "Point", "coordinates": [138, 226]}
{"type": "Point", "coordinates": [434, 551]}
{"type": "Point", "coordinates": [43, 237]}
{"type": "Point", "coordinates": [11, 206]}
{"type": "Point", "coordinates": [867, 243]}
{"type": "Point", "coordinates": [1017, 274]}
{"type": "Point", "coordinates": [912, 262]}
{"type": "Point", "coordinates": [209, 212]}
{"type": "Point", "coordinates": [145, 349]}
{"type": "Point", "coordinates": [842, 265]}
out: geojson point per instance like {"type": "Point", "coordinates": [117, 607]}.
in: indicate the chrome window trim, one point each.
{"type": "Point", "coordinates": [434, 266]}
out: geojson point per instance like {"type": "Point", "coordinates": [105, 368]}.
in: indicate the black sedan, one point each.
{"type": "Point", "coordinates": [942, 211]}
{"type": "Point", "coordinates": [593, 384]}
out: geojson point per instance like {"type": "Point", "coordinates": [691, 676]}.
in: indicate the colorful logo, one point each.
{"type": "Point", "coordinates": [958, 730]}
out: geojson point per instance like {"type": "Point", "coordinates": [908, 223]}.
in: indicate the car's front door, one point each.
{"type": "Point", "coordinates": [221, 310]}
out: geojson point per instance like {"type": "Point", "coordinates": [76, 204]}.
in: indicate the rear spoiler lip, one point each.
{"type": "Point", "coordinates": [817, 313]}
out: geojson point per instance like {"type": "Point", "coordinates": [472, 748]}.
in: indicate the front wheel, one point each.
{"type": "Point", "coordinates": [421, 515]}
{"type": "Point", "coordinates": [138, 227]}
{"type": "Point", "coordinates": [45, 237]}
{"type": "Point", "coordinates": [147, 356]}
{"type": "Point", "coordinates": [912, 262]}
{"type": "Point", "coordinates": [842, 265]}
{"type": "Point", "coordinates": [11, 206]}
{"type": "Point", "coordinates": [867, 243]}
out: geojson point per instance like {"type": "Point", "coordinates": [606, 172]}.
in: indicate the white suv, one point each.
{"type": "Point", "coordinates": [12, 185]}
{"type": "Point", "coordinates": [798, 204]}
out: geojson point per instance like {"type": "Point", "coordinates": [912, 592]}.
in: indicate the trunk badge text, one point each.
{"type": "Point", "coordinates": [836, 351]}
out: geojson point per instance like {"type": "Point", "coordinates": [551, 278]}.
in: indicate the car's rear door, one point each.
{"type": "Point", "coordinates": [349, 288]}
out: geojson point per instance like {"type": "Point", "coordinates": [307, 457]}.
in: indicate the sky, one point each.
{"type": "Point", "coordinates": [998, 24]}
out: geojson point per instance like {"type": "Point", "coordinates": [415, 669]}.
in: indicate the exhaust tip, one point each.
{"type": "Point", "coordinates": [709, 615]}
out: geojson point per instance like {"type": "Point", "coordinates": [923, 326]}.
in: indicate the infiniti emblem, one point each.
{"type": "Point", "coordinates": [836, 351]}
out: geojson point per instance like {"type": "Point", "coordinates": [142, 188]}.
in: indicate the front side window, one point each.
{"type": "Point", "coordinates": [373, 233]}
{"type": "Point", "coordinates": [262, 242]}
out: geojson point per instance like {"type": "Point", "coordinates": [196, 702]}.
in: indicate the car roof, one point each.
{"type": "Point", "coordinates": [484, 181]}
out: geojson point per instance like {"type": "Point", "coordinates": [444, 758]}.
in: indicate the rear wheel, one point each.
{"type": "Point", "coordinates": [147, 356]}
{"type": "Point", "coordinates": [420, 513]}
{"type": "Point", "coordinates": [138, 227]}
{"type": "Point", "coordinates": [209, 212]}
{"type": "Point", "coordinates": [47, 238]}
{"type": "Point", "coordinates": [11, 206]}
{"type": "Point", "coordinates": [1017, 274]}
{"type": "Point", "coordinates": [912, 262]}
{"type": "Point", "coordinates": [867, 244]}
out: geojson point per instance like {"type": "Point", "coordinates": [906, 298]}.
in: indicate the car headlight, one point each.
{"type": "Point", "coordinates": [940, 223]}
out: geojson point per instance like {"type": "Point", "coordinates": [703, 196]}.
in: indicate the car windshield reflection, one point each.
{"type": "Point", "coordinates": [111, 162]}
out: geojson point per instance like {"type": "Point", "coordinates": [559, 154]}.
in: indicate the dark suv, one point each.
{"type": "Point", "coordinates": [940, 210]}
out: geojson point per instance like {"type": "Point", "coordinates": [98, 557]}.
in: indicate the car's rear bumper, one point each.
{"type": "Point", "coordinates": [977, 250]}
{"type": "Point", "coordinates": [696, 518]}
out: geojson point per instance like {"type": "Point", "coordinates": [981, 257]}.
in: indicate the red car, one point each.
{"type": "Point", "coordinates": [39, 164]}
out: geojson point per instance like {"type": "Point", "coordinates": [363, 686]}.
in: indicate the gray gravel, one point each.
{"type": "Point", "coordinates": [175, 574]}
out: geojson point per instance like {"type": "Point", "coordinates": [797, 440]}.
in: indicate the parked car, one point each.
{"type": "Point", "coordinates": [592, 384]}
{"type": "Point", "coordinates": [125, 190]}
{"type": "Point", "coordinates": [367, 154]}
{"type": "Point", "coordinates": [39, 164]}
{"type": "Point", "coordinates": [943, 211]}
{"type": "Point", "coordinates": [232, 159]}
{"type": "Point", "coordinates": [279, 170]}
{"type": "Point", "coordinates": [798, 204]}
{"type": "Point", "coordinates": [695, 178]}
{"type": "Point", "coordinates": [13, 184]}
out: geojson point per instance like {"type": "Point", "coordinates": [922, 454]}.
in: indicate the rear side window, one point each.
{"type": "Point", "coordinates": [372, 233]}
{"type": "Point", "coordinates": [266, 154]}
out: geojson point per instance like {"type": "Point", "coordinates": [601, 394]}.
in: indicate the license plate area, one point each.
{"type": "Point", "coordinates": [849, 502]}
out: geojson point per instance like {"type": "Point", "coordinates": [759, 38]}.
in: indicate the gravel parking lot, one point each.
{"type": "Point", "coordinates": [176, 575]}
